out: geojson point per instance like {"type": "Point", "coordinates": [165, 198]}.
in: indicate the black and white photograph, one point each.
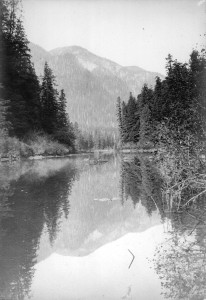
{"type": "Point", "coordinates": [102, 149]}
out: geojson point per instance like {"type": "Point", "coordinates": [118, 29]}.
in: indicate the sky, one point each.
{"type": "Point", "coordinates": [130, 32]}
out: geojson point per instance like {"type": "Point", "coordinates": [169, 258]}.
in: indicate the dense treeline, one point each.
{"type": "Point", "coordinates": [173, 111]}
{"type": "Point", "coordinates": [26, 105]}
{"type": "Point", "coordinates": [54, 118]}
{"type": "Point", "coordinates": [95, 139]}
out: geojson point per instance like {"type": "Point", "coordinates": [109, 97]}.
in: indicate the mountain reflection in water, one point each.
{"type": "Point", "coordinates": [66, 227]}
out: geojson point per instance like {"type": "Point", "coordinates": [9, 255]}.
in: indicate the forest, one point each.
{"type": "Point", "coordinates": [168, 123]}
{"type": "Point", "coordinates": [33, 112]}
{"type": "Point", "coordinates": [34, 116]}
{"type": "Point", "coordinates": [171, 113]}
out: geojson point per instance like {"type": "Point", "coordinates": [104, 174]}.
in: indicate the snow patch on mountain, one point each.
{"type": "Point", "coordinates": [90, 66]}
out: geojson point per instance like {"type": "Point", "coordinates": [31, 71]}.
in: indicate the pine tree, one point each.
{"type": "Point", "coordinates": [133, 122]}
{"type": "Point", "coordinates": [124, 123]}
{"type": "Point", "coordinates": [19, 81]}
{"type": "Point", "coordinates": [90, 141]}
{"type": "Point", "coordinates": [49, 102]}
{"type": "Point", "coordinates": [197, 65]}
{"type": "Point", "coordinates": [119, 118]}
{"type": "Point", "coordinates": [62, 114]}
{"type": "Point", "coordinates": [146, 128]}
{"type": "Point", "coordinates": [157, 101]}
{"type": "Point", "coordinates": [64, 131]}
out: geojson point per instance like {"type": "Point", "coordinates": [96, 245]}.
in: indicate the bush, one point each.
{"type": "Point", "coordinates": [34, 144]}
{"type": "Point", "coordinates": [12, 146]}
{"type": "Point", "coordinates": [42, 144]}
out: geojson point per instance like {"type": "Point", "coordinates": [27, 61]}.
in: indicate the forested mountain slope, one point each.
{"type": "Point", "coordinates": [91, 83]}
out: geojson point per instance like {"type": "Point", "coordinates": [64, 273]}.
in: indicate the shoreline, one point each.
{"type": "Point", "coordinates": [13, 158]}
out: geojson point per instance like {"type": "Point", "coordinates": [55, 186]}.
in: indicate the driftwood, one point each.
{"type": "Point", "coordinates": [133, 257]}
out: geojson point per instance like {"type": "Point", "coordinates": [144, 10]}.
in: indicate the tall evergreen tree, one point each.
{"type": "Point", "coordinates": [62, 114]}
{"type": "Point", "coordinates": [64, 132]}
{"type": "Point", "coordinates": [197, 65]}
{"type": "Point", "coordinates": [49, 101]}
{"type": "Point", "coordinates": [128, 118]}
{"type": "Point", "coordinates": [119, 118]}
{"type": "Point", "coordinates": [146, 128]}
{"type": "Point", "coordinates": [125, 123]}
{"type": "Point", "coordinates": [19, 81]}
{"type": "Point", "coordinates": [178, 95]}
{"type": "Point", "coordinates": [157, 103]}
{"type": "Point", "coordinates": [133, 121]}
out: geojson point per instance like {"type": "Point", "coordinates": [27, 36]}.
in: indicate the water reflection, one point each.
{"type": "Point", "coordinates": [71, 216]}
{"type": "Point", "coordinates": [180, 261]}
{"type": "Point", "coordinates": [29, 200]}
{"type": "Point", "coordinates": [142, 182]}
{"type": "Point", "coordinates": [97, 215]}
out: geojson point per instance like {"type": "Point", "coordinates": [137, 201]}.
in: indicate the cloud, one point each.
{"type": "Point", "coordinates": [201, 2]}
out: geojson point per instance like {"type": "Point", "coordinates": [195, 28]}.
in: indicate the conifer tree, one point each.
{"type": "Point", "coordinates": [124, 122]}
{"type": "Point", "coordinates": [197, 65]}
{"type": "Point", "coordinates": [119, 118]}
{"type": "Point", "coordinates": [19, 81]}
{"type": "Point", "coordinates": [157, 100]}
{"type": "Point", "coordinates": [132, 120]}
{"type": "Point", "coordinates": [62, 114]}
{"type": "Point", "coordinates": [146, 128]}
{"type": "Point", "coordinates": [90, 141]}
{"type": "Point", "coordinates": [49, 102]}
{"type": "Point", "coordinates": [64, 132]}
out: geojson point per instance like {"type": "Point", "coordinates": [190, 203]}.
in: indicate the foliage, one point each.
{"type": "Point", "coordinates": [42, 144]}
{"type": "Point", "coordinates": [26, 105]}
{"type": "Point", "coordinates": [180, 261]}
{"type": "Point", "coordinates": [97, 139]}
{"type": "Point", "coordinates": [55, 120]}
{"type": "Point", "coordinates": [173, 112]}
{"type": "Point", "coordinates": [128, 119]}
{"type": "Point", "coordinates": [141, 180]}
{"type": "Point", "coordinates": [120, 118]}
{"type": "Point", "coordinates": [49, 105]}
{"type": "Point", "coordinates": [173, 182]}
{"type": "Point", "coordinates": [11, 146]}
{"type": "Point", "coordinates": [19, 83]}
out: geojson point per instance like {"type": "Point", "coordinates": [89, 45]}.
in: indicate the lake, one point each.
{"type": "Point", "coordinates": [74, 229]}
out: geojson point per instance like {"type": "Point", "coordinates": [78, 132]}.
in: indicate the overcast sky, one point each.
{"type": "Point", "coordinates": [129, 32]}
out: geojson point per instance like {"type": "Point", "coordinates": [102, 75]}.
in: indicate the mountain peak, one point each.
{"type": "Point", "coordinates": [91, 83]}
{"type": "Point", "coordinates": [68, 49]}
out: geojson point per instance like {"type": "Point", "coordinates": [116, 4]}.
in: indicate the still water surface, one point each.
{"type": "Point", "coordinates": [69, 229]}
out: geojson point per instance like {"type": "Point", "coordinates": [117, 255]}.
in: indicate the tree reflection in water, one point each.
{"type": "Point", "coordinates": [171, 185]}
{"type": "Point", "coordinates": [28, 202]}
{"type": "Point", "coordinates": [36, 197]}
{"type": "Point", "coordinates": [141, 181]}
{"type": "Point", "coordinates": [180, 261]}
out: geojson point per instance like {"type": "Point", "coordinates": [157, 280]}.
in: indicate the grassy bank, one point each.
{"type": "Point", "coordinates": [12, 148]}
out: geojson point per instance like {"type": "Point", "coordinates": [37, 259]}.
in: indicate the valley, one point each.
{"type": "Point", "coordinates": [91, 83]}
